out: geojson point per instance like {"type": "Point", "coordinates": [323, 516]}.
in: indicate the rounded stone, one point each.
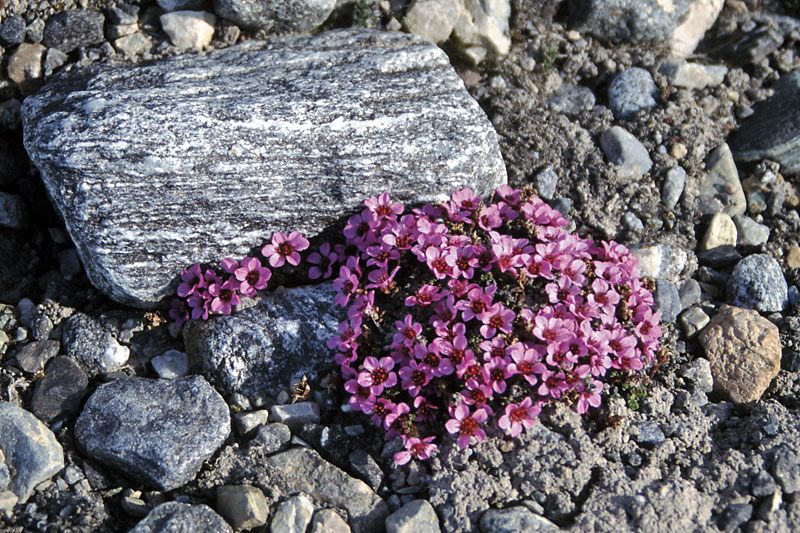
{"type": "Point", "coordinates": [632, 91]}
{"type": "Point", "coordinates": [757, 283]}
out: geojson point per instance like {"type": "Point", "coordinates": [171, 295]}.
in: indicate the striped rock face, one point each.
{"type": "Point", "coordinates": [200, 157]}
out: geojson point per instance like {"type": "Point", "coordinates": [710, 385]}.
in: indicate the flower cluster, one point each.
{"type": "Point", "coordinates": [206, 292]}
{"type": "Point", "coordinates": [473, 314]}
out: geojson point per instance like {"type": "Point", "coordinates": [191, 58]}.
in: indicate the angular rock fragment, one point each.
{"type": "Point", "coordinates": [302, 469]}
{"type": "Point", "coordinates": [61, 390]}
{"type": "Point", "coordinates": [773, 130]}
{"type": "Point", "coordinates": [721, 191]}
{"type": "Point", "coordinates": [30, 450]}
{"type": "Point", "coordinates": [158, 432]}
{"type": "Point", "coordinates": [268, 347]}
{"type": "Point", "coordinates": [174, 516]}
{"type": "Point", "coordinates": [227, 147]}
{"type": "Point", "coordinates": [628, 21]}
{"type": "Point", "coordinates": [744, 350]}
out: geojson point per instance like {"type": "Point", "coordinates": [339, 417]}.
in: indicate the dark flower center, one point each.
{"type": "Point", "coordinates": [496, 321]}
{"type": "Point", "coordinates": [225, 295]}
{"type": "Point", "coordinates": [379, 375]}
{"type": "Point", "coordinates": [497, 374]}
{"type": "Point", "coordinates": [285, 248]}
{"type": "Point", "coordinates": [473, 372]}
{"type": "Point", "coordinates": [252, 277]}
{"type": "Point", "coordinates": [525, 368]}
{"type": "Point", "coordinates": [418, 378]}
{"type": "Point", "coordinates": [468, 426]}
{"type": "Point", "coordinates": [519, 414]}
{"type": "Point", "coordinates": [431, 359]}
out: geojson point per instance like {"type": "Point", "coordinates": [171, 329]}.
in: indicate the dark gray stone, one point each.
{"type": "Point", "coordinates": [773, 131]}
{"type": "Point", "coordinates": [690, 293]}
{"type": "Point", "coordinates": [305, 128]}
{"type": "Point", "coordinates": [786, 469]}
{"type": "Point", "coordinates": [124, 14]}
{"type": "Point", "coordinates": [513, 520]}
{"type": "Point", "coordinates": [416, 516]}
{"type": "Point", "coordinates": [158, 432]}
{"type": "Point", "coordinates": [267, 348]}
{"type": "Point", "coordinates": [650, 433]}
{"type": "Point", "coordinates": [763, 484]}
{"type": "Point", "coordinates": [571, 99]}
{"type": "Point", "coordinates": [33, 356]}
{"type": "Point", "coordinates": [173, 517]}
{"type": "Point", "coordinates": [719, 257]}
{"type": "Point", "coordinates": [92, 346]}
{"type": "Point", "coordinates": [273, 437]}
{"type": "Point", "coordinates": [31, 451]}
{"type": "Point", "coordinates": [295, 415]}
{"type": "Point", "coordinates": [181, 5]}
{"type": "Point", "coordinates": [628, 21]}
{"type": "Point", "coordinates": [757, 283]}
{"type": "Point", "coordinates": [303, 470]}
{"type": "Point", "coordinates": [5, 476]}
{"type": "Point", "coordinates": [753, 46]}
{"type": "Point", "coordinates": [632, 91]}
{"type": "Point", "coordinates": [72, 29]}
{"type": "Point", "coordinates": [243, 506]}
{"type": "Point", "coordinates": [735, 515]}
{"type": "Point", "coordinates": [367, 468]}
{"type": "Point", "coordinates": [297, 15]}
{"type": "Point", "coordinates": [12, 30]}
{"type": "Point", "coordinates": [626, 152]}
{"type": "Point", "coordinates": [60, 392]}
{"type": "Point", "coordinates": [668, 300]}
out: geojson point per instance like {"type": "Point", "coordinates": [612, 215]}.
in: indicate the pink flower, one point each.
{"type": "Point", "coordinates": [466, 424]}
{"type": "Point", "coordinates": [479, 301]}
{"type": "Point", "coordinates": [457, 350]}
{"type": "Point", "coordinates": [377, 374]}
{"type": "Point", "coordinates": [496, 317]}
{"type": "Point", "coordinates": [402, 235]}
{"type": "Point", "coordinates": [252, 275]}
{"type": "Point", "coordinates": [552, 384]}
{"type": "Point", "coordinates": [229, 265]}
{"type": "Point", "coordinates": [519, 416]}
{"type": "Point", "coordinates": [193, 281]}
{"type": "Point", "coordinates": [346, 284]}
{"type": "Point", "coordinates": [349, 330]}
{"type": "Point", "coordinates": [360, 229]}
{"type": "Point", "coordinates": [382, 279]}
{"type": "Point", "coordinates": [407, 332]}
{"type": "Point", "coordinates": [430, 356]}
{"type": "Point", "coordinates": [509, 194]}
{"type": "Point", "coordinates": [424, 296]}
{"type": "Point", "coordinates": [561, 291]}
{"type": "Point", "coordinates": [383, 208]}
{"type": "Point", "coordinates": [284, 249]}
{"type": "Point", "coordinates": [489, 218]}
{"type": "Point", "coordinates": [323, 262]}
{"type": "Point", "coordinates": [496, 372]}
{"type": "Point", "coordinates": [361, 398]}
{"type": "Point", "coordinates": [441, 261]}
{"type": "Point", "coordinates": [415, 448]}
{"type": "Point", "coordinates": [225, 296]}
{"type": "Point", "coordinates": [414, 376]}
{"type": "Point", "coordinates": [528, 361]}
{"type": "Point", "coordinates": [179, 312]}
{"type": "Point", "coordinates": [590, 396]}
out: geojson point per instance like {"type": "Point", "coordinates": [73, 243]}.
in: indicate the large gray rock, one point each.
{"type": "Point", "coordinates": [628, 21]}
{"type": "Point", "coordinates": [156, 431]}
{"type": "Point", "coordinates": [30, 450]}
{"type": "Point", "coordinates": [199, 157]}
{"type": "Point", "coordinates": [303, 470]}
{"type": "Point", "coordinates": [174, 517]}
{"type": "Point", "coordinates": [773, 130]}
{"type": "Point", "coordinates": [297, 15]}
{"type": "Point", "coordinates": [267, 348]}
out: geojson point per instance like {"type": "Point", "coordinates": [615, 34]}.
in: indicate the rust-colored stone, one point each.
{"type": "Point", "coordinates": [745, 352]}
